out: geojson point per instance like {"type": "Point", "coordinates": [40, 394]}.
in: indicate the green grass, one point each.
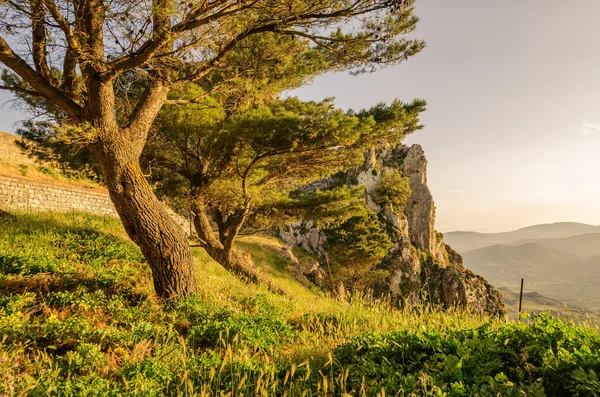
{"type": "Point", "coordinates": [46, 173]}
{"type": "Point", "coordinates": [78, 317]}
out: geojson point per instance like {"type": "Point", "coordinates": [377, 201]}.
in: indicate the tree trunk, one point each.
{"type": "Point", "coordinates": [235, 262]}
{"type": "Point", "coordinates": [242, 266]}
{"type": "Point", "coordinates": [146, 221]}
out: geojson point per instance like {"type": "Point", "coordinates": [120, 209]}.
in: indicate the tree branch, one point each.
{"type": "Point", "coordinates": [161, 36]}
{"type": "Point", "coordinates": [147, 108]}
{"type": "Point", "coordinates": [19, 89]}
{"type": "Point", "coordinates": [37, 82]}
{"type": "Point", "coordinates": [191, 23]}
{"type": "Point", "coordinates": [64, 25]}
{"type": "Point", "coordinates": [39, 42]}
{"type": "Point", "coordinates": [70, 73]}
{"type": "Point", "coordinates": [234, 224]}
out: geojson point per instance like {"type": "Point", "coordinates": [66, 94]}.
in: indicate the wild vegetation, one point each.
{"type": "Point", "coordinates": [99, 73]}
{"type": "Point", "coordinates": [184, 100]}
{"type": "Point", "coordinates": [241, 166]}
{"type": "Point", "coordinates": [78, 317]}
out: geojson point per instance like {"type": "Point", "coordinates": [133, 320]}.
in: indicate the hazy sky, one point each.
{"type": "Point", "coordinates": [512, 130]}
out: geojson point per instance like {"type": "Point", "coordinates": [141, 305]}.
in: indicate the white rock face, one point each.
{"type": "Point", "coordinates": [305, 234]}
{"type": "Point", "coordinates": [421, 266]}
{"type": "Point", "coordinates": [420, 208]}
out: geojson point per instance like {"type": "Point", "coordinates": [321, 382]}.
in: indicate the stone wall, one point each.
{"type": "Point", "coordinates": [25, 195]}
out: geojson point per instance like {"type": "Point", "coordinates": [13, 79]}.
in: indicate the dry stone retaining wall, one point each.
{"type": "Point", "coordinates": [26, 195]}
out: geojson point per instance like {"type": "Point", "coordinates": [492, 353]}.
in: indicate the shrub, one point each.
{"type": "Point", "coordinates": [546, 357]}
{"type": "Point", "coordinates": [355, 248]}
{"type": "Point", "coordinates": [392, 189]}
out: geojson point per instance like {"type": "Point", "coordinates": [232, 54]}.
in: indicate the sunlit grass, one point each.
{"type": "Point", "coordinates": [45, 173]}
{"type": "Point", "coordinates": [78, 317]}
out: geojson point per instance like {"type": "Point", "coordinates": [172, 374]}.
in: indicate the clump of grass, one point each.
{"type": "Point", "coordinates": [78, 317]}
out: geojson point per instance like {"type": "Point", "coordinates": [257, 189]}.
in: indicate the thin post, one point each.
{"type": "Point", "coordinates": [520, 299]}
{"type": "Point", "coordinates": [329, 268]}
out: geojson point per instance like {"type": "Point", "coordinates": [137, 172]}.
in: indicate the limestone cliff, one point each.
{"type": "Point", "coordinates": [422, 268]}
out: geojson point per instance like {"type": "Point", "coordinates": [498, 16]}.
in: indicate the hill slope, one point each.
{"type": "Point", "coordinates": [560, 260]}
{"type": "Point", "coordinates": [535, 302]}
{"type": "Point", "coordinates": [583, 245]}
{"type": "Point", "coordinates": [78, 317]}
{"type": "Point", "coordinates": [17, 161]}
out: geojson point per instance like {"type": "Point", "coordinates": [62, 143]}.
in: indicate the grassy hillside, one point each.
{"type": "Point", "coordinates": [78, 317]}
{"type": "Point", "coordinates": [15, 162]}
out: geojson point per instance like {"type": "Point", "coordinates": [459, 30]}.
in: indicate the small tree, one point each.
{"type": "Point", "coordinates": [354, 250]}
{"type": "Point", "coordinates": [104, 69]}
{"type": "Point", "coordinates": [392, 189]}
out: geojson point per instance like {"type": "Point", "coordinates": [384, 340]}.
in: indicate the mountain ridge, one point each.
{"type": "Point", "coordinates": [563, 267]}
{"type": "Point", "coordinates": [464, 241]}
{"type": "Point", "coordinates": [526, 227]}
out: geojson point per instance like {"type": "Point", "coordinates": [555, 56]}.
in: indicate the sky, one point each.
{"type": "Point", "coordinates": [512, 130]}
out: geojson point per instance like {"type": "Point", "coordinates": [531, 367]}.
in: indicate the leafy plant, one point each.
{"type": "Point", "coordinates": [355, 248]}
{"type": "Point", "coordinates": [392, 189]}
{"type": "Point", "coordinates": [86, 323]}
{"type": "Point", "coordinates": [547, 356]}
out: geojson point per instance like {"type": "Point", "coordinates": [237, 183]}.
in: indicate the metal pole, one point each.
{"type": "Point", "coordinates": [520, 299]}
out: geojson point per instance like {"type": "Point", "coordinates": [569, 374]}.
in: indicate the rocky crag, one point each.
{"type": "Point", "coordinates": [422, 268]}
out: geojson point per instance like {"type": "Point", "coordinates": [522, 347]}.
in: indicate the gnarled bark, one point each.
{"type": "Point", "coordinates": [145, 219]}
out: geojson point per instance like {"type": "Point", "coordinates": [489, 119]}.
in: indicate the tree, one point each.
{"type": "Point", "coordinates": [229, 166]}
{"type": "Point", "coordinates": [105, 69]}
{"type": "Point", "coordinates": [354, 250]}
{"type": "Point", "coordinates": [392, 189]}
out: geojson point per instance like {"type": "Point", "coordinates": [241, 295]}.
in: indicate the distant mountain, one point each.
{"type": "Point", "coordinates": [583, 245]}
{"type": "Point", "coordinates": [505, 265]}
{"type": "Point", "coordinates": [592, 265]}
{"type": "Point", "coordinates": [468, 241]}
{"type": "Point", "coordinates": [559, 260]}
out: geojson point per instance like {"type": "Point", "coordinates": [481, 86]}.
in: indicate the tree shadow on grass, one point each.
{"type": "Point", "coordinates": [86, 256]}
{"type": "Point", "coordinates": [43, 284]}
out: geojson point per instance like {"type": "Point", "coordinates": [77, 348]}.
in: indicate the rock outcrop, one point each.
{"type": "Point", "coordinates": [422, 268]}
{"type": "Point", "coordinates": [305, 234]}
